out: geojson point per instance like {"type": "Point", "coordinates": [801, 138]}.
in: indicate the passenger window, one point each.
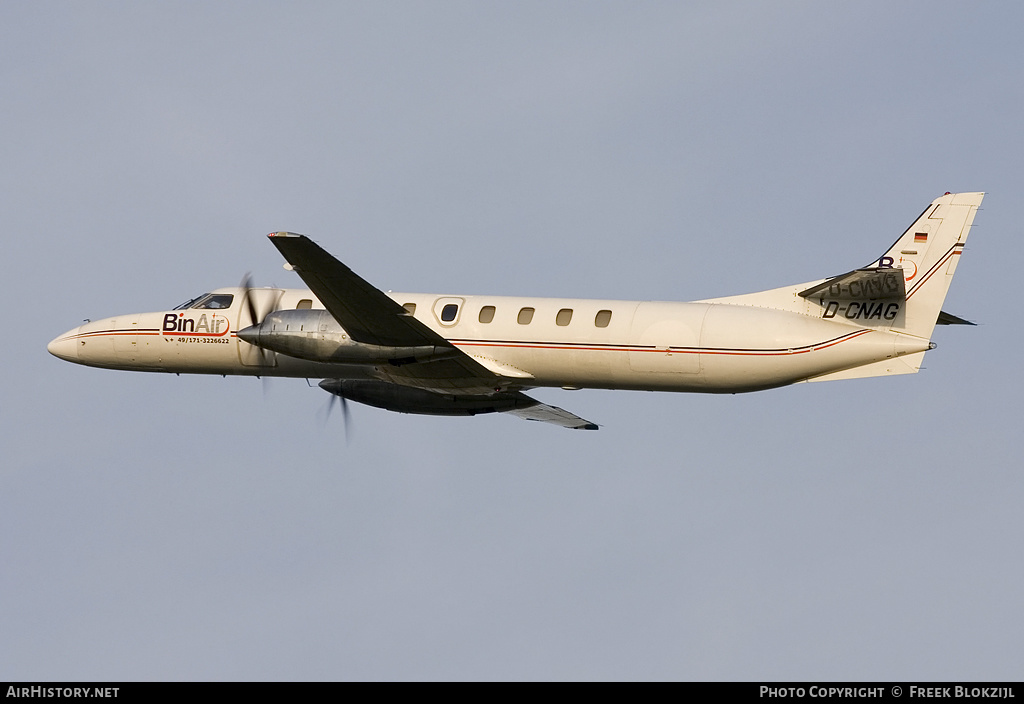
{"type": "Point", "coordinates": [410, 308]}
{"type": "Point", "coordinates": [603, 318]}
{"type": "Point", "coordinates": [563, 317]}
{"type": "Point", "coordinates": [304, 304]}
{"type": "Point", "coordinates": [447, 310]}
{"type": "Point", "coordinates": [525, 316]}
{"type": "Point", "coordinates": [486, 314]}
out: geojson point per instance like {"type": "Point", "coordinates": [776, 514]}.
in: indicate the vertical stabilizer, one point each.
{"type": "Point", "coordinates": [928, 253]}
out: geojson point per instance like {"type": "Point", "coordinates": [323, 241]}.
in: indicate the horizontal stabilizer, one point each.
{"type": "Point", "coordinates": [949, 319]}
{"type": "Point", "coordinates": [861, 285]}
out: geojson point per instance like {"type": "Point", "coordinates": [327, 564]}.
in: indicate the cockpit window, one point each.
{"type": "Point", "coordinates": [188, 304]}
{"type": "Point", "coordinates": [214, 301]}
{"type": "Point", "coordinates": [209, 301]}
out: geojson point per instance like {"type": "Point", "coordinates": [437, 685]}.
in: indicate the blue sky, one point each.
{"type": "Point", "coordinates": [163, 527]}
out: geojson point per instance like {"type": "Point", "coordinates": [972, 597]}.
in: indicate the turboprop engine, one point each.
{"type": "Point", "coordinates": [315, 335]}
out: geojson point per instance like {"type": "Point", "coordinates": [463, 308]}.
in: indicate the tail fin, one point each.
{"type": "Point", "coordinates": [902, 291]}
{"type": "Point", "coordinates": [928, 253]}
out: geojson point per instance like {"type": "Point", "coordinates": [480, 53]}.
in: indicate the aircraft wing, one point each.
{"type": "Point", "coordinates": [551, 414]}
{"type": "Point", "coordinates": [372, 317]}
{"type": "Point", "coordinates": [367, 313]}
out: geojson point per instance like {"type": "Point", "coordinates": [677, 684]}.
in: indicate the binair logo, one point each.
{"type": "Point", "coordinates": [204, 326]}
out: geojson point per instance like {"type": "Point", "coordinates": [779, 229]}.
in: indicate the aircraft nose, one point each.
{"type": "Point", "coordinates": [65, 346]}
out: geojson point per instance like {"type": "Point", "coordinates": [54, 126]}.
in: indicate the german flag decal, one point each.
{"type": "Point", "coordinates": [920, 236]}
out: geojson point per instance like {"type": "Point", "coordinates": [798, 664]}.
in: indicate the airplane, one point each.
{"type": "Point", "coordinates": [461, 355]}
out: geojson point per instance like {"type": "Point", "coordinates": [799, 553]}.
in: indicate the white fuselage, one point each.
{"type": "Point", "coordinates": [709, 346]}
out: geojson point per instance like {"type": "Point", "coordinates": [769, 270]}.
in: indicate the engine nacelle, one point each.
{"type": "Point", "coordinates": [407, 399]}
{"type": "Point", "coordinates": [315, 335]}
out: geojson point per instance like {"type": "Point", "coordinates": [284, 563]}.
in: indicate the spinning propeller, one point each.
{"type": "Point", "coordinates": [247, 300]}
{"type": "Point", "coordinates": [249, 305]}
{"type": "Point", "coordinates": [344, 412]}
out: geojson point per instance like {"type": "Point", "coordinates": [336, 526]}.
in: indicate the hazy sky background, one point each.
{"type": "Point", "coordinates": [163, 527]}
